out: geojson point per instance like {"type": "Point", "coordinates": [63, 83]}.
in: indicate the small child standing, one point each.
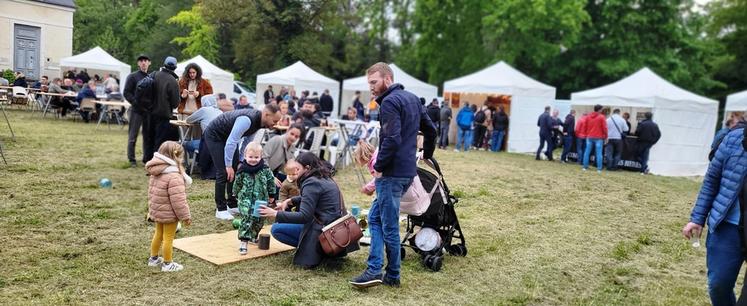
{"type": "Point", "coordinates": [254, 181]}
{"type": "Point", "coordinates": [167, 202]}
{"type": "Point", "coordinates": [365, 155]}
{"type": "Point", "coordinates": [289, 188]}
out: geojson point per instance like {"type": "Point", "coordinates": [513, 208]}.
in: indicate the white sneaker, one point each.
{"type": "Point", "coordinates": [155, 262]}
{"type": "Point", "coordinates": [234, 211]}
{"type": "Point", "coordinates": [242, 248]}
{"type": "Point", "coordinates": [583, 169]}
{"type": "Point", "coordinates": [456, 150]}
{"type": "Point", "coordinates": [171, 267]}
{"type": "Point", "coordinates": [223, 215]}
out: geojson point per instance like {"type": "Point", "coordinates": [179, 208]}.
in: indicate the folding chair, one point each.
{"type": "Point", "coordinates": [316, 142]}
{"type": "Point", "coordinates": [87, 105]}
{"type": "Point", "coordinates": [20, 96]}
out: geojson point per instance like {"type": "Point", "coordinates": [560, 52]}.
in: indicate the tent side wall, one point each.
{"type": "Point", "coordinates": [523, 133]}
{"type": "Point", "coordinates": [687, 130]}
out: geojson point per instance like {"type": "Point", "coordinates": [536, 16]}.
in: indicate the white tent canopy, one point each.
{"type": "Point", "coordinates": [221, 80]}
{"type": "Point", "coordinates": [96, 60]}
{"type": "Point", "coordinates": [685, 119]}
{"type": "Point", "coordinates": [298, 77]}
{"type": "Point", "coordinates": [528, 100]}
{"type": "Point", "coordinates": [413, 85]}
{"type": "Point", "coordinates": [736, 102]}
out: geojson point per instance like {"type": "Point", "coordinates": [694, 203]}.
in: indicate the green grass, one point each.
{"type": "Point", "coordinates": [538, 233]}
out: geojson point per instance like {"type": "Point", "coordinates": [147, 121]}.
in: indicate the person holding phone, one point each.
{"type": "Point", "coordinates": [192, 87]}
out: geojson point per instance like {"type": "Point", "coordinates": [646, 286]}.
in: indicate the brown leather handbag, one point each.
{"type": "Point", "coordinates": [337, 235]}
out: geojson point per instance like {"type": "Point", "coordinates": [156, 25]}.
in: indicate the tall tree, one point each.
{"type": "Point", "coordinates": [202, 38]}
{"type": "Point", "coordinates": [729, 28]}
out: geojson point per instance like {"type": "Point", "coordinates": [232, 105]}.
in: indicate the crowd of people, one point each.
{"type": "Point", "coordinates": [595, 132]}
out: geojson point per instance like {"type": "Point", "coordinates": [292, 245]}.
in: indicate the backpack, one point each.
{"type": "Point", "coordinates": [145, 93]}
{"type": "Point", "coordinates": [480, 117]}
{"type": "Point", "coordinates": [464, 119]}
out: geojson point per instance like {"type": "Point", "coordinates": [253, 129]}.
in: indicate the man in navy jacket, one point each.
{"type": "Point", "coordinates": [402, 116]}
{"type": "Point", "coordinates": [545, 123]}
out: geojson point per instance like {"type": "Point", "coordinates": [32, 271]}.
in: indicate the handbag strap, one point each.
{"type": "Point", "coordinates": [342, 204]}
{"type": "Point", "coordinates": [614, 122]}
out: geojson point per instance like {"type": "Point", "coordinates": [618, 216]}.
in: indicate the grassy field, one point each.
{"type": "Point", "coordinates": [538, 233]}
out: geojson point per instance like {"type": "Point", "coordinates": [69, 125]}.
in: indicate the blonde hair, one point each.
{"type": "Point", "coordinates": [382, 68]}
{"type": "Point", "coordinates": [289, 165]}
{"type": "Point", "coordinates": [175, 151]}
{"type": "Point", "coordinates": [254, 147]}
{"type": "Point", "coordinates": [363, 153]}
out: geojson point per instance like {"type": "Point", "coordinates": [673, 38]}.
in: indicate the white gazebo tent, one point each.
{"type": "Point", "coordinates": [686, 120]}
{"type": "Point", "coordinates": [220, 80]}
{"type": "Point", "coordinates": [417, 87]}
{"type": "Point", "coordinates": [528, 100]}
{"type": "Point", "coordinates": [298, 77]}
{"type": "Point", "coordinates": [97, 61]}
{"type": "Point", "coordinates": [736, 103]}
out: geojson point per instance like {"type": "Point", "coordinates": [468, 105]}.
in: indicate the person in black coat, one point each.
{"type": "Point", "coordinates": [434, 112]}
{"type": "Point", "coordinates": [326, 103]}
{"type": "Point", "coordinates": [156, 126]}
{"type": "Point", "coordinates": [545, 123]}
{"type": "Point", "coordinates": [319, 204]}
{"type": "Point", "coordinates": [648, 134]}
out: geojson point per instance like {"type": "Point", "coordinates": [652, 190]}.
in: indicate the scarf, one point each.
{"type": "Point", "coordinates": [252, 170]}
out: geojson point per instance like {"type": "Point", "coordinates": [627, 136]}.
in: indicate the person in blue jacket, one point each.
{"type": "Point", "coordinates": [718, 206]}
{"type": "Point", "coordinates": [465, 117]}
{"type": "Point", "coordinates": [402, 116]}
{"type": "Point", "coordinates": [545, 123]}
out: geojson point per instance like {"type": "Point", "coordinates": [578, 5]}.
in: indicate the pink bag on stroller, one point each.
{"type": "Point", "coordinates": [416, 199]}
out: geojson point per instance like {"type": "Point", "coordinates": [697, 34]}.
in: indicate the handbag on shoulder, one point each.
{"type": "Point", "coordinates": [336, 236]}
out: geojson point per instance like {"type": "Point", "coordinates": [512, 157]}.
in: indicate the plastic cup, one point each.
{"type": "Point", "coordinates": [695, 239]}
{"type": "Point", "coordinates": [257, 205]}
{"type": "Point", "coordinates": [355, 210]}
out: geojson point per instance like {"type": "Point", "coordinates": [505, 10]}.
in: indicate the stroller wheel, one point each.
{"type": "Point", "coordinates": [457, 250]}
{"type": "Point", "coordinates": [433, 262]}
{"type": "Point", "coordinates": [437, 262]}
{"type": "Point", "coordinates": [402, 253]}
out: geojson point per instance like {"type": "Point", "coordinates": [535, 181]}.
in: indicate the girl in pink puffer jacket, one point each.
{"type": "Point", "coordinates": [167, 202]}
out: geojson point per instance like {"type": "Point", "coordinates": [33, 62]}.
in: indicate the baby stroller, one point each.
{"type": "Point", "coordinates": [439, 228]}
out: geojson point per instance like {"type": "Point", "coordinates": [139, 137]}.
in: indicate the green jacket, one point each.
{"type": "Point", "coordinates": [248, 188]}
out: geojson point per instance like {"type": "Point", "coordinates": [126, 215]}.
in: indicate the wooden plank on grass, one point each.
{"type": "Point", "coordinates": [223, 248]}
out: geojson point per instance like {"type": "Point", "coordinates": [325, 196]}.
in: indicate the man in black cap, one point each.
{"type": "Point", "coordinates": [136, 114]}
{"type": "Point", "coordinates": [156, 128]}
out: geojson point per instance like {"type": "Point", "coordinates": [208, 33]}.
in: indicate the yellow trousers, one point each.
{"type": "Point", "coordinates": [165, 233]}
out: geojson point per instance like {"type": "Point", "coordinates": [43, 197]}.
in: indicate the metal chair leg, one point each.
{"type": "Point", "coordinates": [3, 154]}
{"type": "Point", "coordinates": [8, 121]}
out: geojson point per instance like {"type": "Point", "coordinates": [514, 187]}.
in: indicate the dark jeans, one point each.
{"type": "Point", "coordinates": [156, 131]}
{"type": "Point", "coordinates": [444, 140]}
{"type": "Point", "coordinates": [723, 259]}
{"type": "Point", "coordinates": [383, 221]}
{"type": "Point", "coordinates": [580, 148]}
{"type": "Point", "coordinates": [205, 161]}
{"type": "Point", "coordinates": [479, 134]}
{"type": "Point", "coordinates": [546, 138]}
{"type": "Point", "coordinates": [223, 188]}
{"type": "Point", "coordinates": [497, 141]}
{"type": "Point", "coordinates": [136, 121]}
{"type": "Point", "coordinates": [567, 144]}
{"type": "Point", "coordinates": [613, 153]}
{"type": "Point", "coordinates": [643, 149]}
{"type": "Point", "coordinates": [287, 233]}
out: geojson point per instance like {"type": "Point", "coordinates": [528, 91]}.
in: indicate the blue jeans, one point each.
{"type": "Point", "coordinates": [567, 142]}
{"type": "Point", "coordinates": [383, 222]}
{"type": "Point", "coordinates": [644, 148]}
{"type": "Point", "coordinates": [597, 143]}
{"type": "Point", "coordinates": [580, 148]}
{"type": "Point", "coordinates": [724, 259]}
{"type": "Point", "coordinates": [287, 233]}
{"type": "Point", "coordinates": [497, 141]}
{"type": "Point", "coordinates": [444, 141]}
{"type": "Point", "coordinates": [463, 139]}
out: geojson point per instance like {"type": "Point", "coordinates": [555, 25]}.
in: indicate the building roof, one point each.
{"type": "Point", "coordinates": [65, 3]}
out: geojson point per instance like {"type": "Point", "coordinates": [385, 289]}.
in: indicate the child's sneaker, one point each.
{"type": "Point", "coordinates": [155, 261]}
{"type": "Point", "coordinates": [242, 248]}
{"type": "Point", "coordinates": [171, 267]}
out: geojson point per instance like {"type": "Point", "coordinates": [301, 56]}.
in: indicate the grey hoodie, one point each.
{"type": "Point", "coordinates": [206, 113]}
